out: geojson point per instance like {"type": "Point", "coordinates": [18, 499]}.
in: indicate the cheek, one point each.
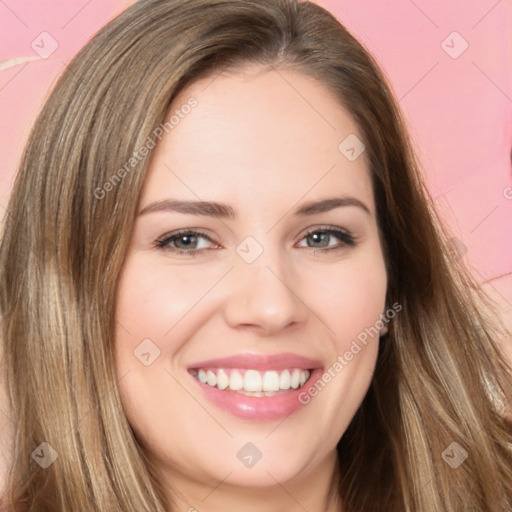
{"type": "Point", "coordinates": [148, 306]}
{"type": "Point", "coordinates": [350, 304]}
{"type": "Point", "coordinates": [152, 300]}
{"type": "Point", "coordinates": [155, 315]}
{"type": "Point", "coordinates": [350, 298]}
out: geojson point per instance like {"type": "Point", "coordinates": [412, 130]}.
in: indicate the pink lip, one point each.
{"type": "Point", "coordinates": [259, 408]}
{"type": "Point", "coordinates": [260, 362]}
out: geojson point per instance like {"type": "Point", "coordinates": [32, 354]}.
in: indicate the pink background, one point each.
{"type": "Point", "coordinates": [459, 110]}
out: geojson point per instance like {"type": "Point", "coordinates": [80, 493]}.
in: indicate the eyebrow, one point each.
{"type": "Point", "coordinates": [224, 211]}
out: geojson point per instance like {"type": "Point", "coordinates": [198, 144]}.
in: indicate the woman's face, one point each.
{"type": "Point", "coordinates": [217, 331]}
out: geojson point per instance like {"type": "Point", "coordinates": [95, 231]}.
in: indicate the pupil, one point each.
{"type": "Point", "coordinates": [317, 237]}
{"type": "Point", "coordinates": [187, 239]}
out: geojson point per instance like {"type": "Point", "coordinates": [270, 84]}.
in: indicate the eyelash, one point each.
{"type": "Point", "coordinates": [163, 243]}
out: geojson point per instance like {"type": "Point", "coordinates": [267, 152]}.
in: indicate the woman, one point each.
{"type": "Point", "coordinates": [173, 338]}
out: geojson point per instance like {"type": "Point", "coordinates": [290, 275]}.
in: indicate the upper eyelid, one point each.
{"type": "Point", "coordinates": [199, 232]}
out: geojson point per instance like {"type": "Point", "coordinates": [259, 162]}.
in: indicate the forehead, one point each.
{"type": "Point", "coordinates": [257, 133]}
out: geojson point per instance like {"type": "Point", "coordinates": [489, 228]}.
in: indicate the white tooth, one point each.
{"type": "Point", "coordinates": [251, 393]}
{"type": "Point", "coordinates": [252, 380]}
{"type": "Point", "coordinates": [236, 381]}
{"type": "Point", "coordinates": [285, 380]}
{"type": "Point", "coordinates": [295, 378]}
{"type": "Point", "coordinates": [222, 379]}
{"type": "Point", "coordinates": [211, 378]}
{"type": "Point", "coordinates": [304, 376]}
{"type": "Point", "coordinates": [271, 381]}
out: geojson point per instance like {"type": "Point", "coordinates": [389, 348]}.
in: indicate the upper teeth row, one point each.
{"type": "Point", "coordinates": [253, 380]}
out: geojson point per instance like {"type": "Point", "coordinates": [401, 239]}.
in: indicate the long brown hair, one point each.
{"type": "Point", "coordinates": [440, 378]}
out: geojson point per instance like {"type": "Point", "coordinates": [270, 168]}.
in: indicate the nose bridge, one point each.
{"type": "Point", "coordinates": [263, 291]}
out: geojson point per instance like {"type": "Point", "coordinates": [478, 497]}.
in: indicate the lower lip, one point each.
{"type": "Point", "coordinates": [258, 408]}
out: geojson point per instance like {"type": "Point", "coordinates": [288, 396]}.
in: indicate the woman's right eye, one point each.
{"type": "Point", "coordinates": [187, 238]}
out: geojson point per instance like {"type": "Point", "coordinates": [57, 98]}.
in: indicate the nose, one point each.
{"type": "Point", "coordinates": [264, 295]}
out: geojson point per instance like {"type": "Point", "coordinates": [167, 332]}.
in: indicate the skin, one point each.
{"type": "Point", "coordinates": [263, 142]}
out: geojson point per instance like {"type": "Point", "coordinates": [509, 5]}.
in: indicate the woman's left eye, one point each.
{"type": "Point", "coordinates": [188, 241]}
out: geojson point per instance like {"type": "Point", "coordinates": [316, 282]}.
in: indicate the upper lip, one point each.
{"type": "Point", "coordinates": [260, 362]}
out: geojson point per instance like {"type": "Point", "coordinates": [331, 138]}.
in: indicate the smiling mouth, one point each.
{"type": "Point", "coordinates": [250, 382]}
